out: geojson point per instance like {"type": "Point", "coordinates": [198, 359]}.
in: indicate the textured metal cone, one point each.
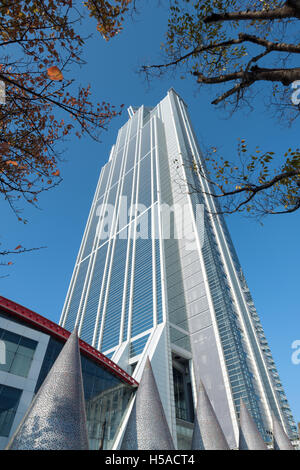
{"type": "Point", "coordinates": [281, 440]}
{"type": "Point", "coordinates": [56, 417]}
{"type": "Point", "coordinates": [250, 438]}
{"type": "Point", "coordinates": [147, 427]}
{"type": "Point", "coordinates": [208, 434]}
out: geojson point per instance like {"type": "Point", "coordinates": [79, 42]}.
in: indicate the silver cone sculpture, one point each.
{"type": "Point", "coordinates": [56, 418]}
{"type": "Point", "coordinates": [208, 434]}
{"type": "Point", "coordinates": [147, 427]}
{"type": "Point", "coordinates": [250, 438]}
{"type": "Point", "coordinates": [281, 440]}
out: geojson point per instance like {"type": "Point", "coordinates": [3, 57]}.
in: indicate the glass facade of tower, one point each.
{"type": "Point", "coordinates": [143, 287]}
{"type": "Point", "coordinates": [116, 289]}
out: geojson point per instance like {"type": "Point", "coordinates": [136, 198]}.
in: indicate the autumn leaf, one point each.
{"type": "Point", "coordinates": [56, 173]}
{"type": "Point", "coordinates": [54, 73]}
{"type": "Point", "coordinates": [11, 162]}
{"type": "Point", "coordinates": [18, 247]}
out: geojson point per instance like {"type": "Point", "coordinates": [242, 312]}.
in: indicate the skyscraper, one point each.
{"type": "Point", "coordinates": [157, 275]}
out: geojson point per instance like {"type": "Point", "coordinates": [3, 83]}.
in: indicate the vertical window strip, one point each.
{"type": "Point", "coordinates": [230, 334]}
{"type": "Point", "coordinates": [105, 227]}
{"type": "Point", "coordinates": [110, 194]}
{"type": "Point", "coordinates": [92, 230]}
{"type": "Point", "coordinates": [92, 224]}
{"type": "Point", "coordinates": [127, 287]}
{"type": "Point", "coordinates": [132, 235]}
{"type": "Point", "coordinates": [118, 166]}
{"type": "Point", "coordinates": [99, 319]}
{"type": "Point", "coordinates": [145, 181]}
{"type": "Point", "coordinates": [69, 295]}
{"type": "Point", "coordinates": [142, 306]}
{"type": "Point", "coordinates": [90, 217]}
{"type": "Point", "coordinates": [92, 241]}
{"type": "Point", "coordinates": [103, 185]}
{"type": "Point", "coordinates": [117, 183]}
{"type": "Point", "coordinates": [112, 321]}
{"type": "Point", "coordinates": [91, 306]}
{"type": "Point", "coordinates": [76, 295]}
{"type": "Point", "coordinates": [159, 308]}
{"type": "Point", "coordinates": [113, 199]}
{"type": "Point", "coordinates": [126, 201]}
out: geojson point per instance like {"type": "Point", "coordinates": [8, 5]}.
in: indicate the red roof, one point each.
{"type": "Point", "coordinates": [51, 328]}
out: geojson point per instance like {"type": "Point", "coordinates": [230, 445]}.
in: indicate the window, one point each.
{"type": "Point", "coordinates": [180, 395]}
{"type": "Point", "coordinates": [9, 402]}
{"type": "Point", "coordinates": [19, 352]}
{"type": "Point", "coordinates": [138, 345]}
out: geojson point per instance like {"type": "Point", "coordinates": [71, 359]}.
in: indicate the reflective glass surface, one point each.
{"type": "Point", "coordinates": [19, 352]}
{"type": "Point", "coordinates": [138, 345]}
{"type": "Point", "coordinates": [113, 310]}
{"type": "Point", "coordinates": [9, 402]}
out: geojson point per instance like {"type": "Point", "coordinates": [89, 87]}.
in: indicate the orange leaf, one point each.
{"type": "Point", "coordinates": [54, 73]}
{"type": "Point", "coordinates": [9, 263]}
{"type": "Point", "coordinates": [56, 173]}
{"type": "Point", "coordinates": [18, 247]}
{"type": "Point", "coordinates": [11, 162]}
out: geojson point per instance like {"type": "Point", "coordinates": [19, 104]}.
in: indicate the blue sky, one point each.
{"type": "Point", "coordinates": [269, 254]}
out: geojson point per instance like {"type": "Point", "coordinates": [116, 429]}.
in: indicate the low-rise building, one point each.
{"type": "Point", "coordinates": [29, 346]}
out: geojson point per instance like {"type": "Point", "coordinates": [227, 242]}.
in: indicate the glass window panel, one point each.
{"type": "Point", "coordinates": [142, 308]}
{"type": "Point", "coordinates": [138, 345]}
{"type": "Point", "coordinates": [88, 325]}
{"type": "Point", "coordinates": [117, 168]}
{"type": "Point", "coordinates": [19, 352]}
{"type": "Point", "coordinates": [76, 295]}
{"type": "Point", "coordinates": [26, 345]}
{"type": "Point", "coordinates": [9, 402]}
{"type": "Point", "coordinates": [131, 154]}
{"type": "Point", "coordinates": [145, 181]}
{"type": "Point", "coordinates": [20, 365]}
{"type": "Point", "coordinates": [92, 229]}
{"type": "Point", "coordinates": [115, 296]}
{"type": "Point", "coordinates": [104, 179]}
{"type": "Point", "coordinates": [11, 340]}
{"type": "Point", "coordinates": [145, 144]}
{"type": "Point", "coordinates": [134, 124]}
{"type": "Point", "coordinates": [122, 133]}
{"type": "Point", "coordinates": [9, 357]}
{"type": "Point", "coordinates": [128, 286]}
{"type": "Point", "coordinates": [126, 193]}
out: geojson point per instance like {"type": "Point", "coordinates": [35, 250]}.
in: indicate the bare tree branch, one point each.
{"type": "Point", "coordinates": [290, 10]}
